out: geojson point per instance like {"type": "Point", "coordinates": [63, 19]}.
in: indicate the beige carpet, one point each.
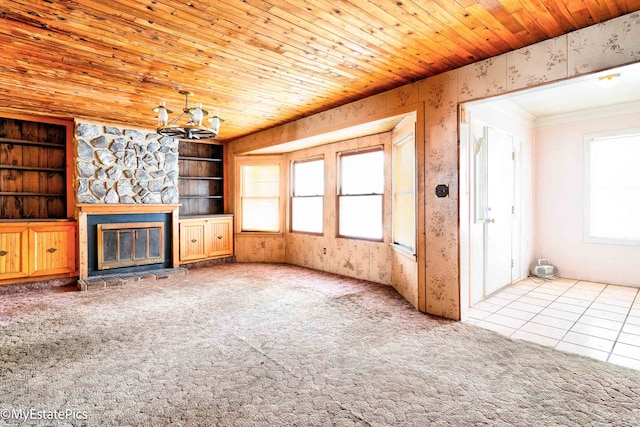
{"type": "Point", "coordinates": [276, 345]}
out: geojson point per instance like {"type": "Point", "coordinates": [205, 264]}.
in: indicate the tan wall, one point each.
{"type": "Point", "coordinates": [570, 55]}
{"type": "Point", "coordinates": [349, 257]}
{"type": "Point", "coordinates": [253, 248]}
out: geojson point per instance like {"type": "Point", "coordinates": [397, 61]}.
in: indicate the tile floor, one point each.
{"type": "Point", "coordinates": [592, 319]}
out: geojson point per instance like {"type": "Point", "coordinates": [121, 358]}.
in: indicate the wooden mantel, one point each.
{"type": "Point", "coordinates": [83, 210]}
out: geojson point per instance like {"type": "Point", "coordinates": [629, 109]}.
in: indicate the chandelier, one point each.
{"type": "Point", "coordinates": [193, 128]}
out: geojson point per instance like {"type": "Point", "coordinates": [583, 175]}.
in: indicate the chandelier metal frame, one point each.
{"type": "Point", "coordinates": [193, 128]}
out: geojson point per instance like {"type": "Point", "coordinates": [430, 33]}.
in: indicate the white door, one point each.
{"type": "Point", "coordinates": [500, 210]}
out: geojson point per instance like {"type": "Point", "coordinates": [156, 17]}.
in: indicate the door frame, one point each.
{"type": "Point", "coordinates": [466, 255]}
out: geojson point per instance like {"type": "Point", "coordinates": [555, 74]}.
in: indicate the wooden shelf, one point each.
{"type": "Point", "coordinates": [35, 143]}
{"type": "Point", "coordinates": [201, 197]}
{"type": "Point", "coordinates": [199, 159]}
{"type": "Point", "coordinates": [10, 193]}
{"type": "Point", "coordinates": [31, 168]}
{"type": "Point", "coordinates": [211, 178]}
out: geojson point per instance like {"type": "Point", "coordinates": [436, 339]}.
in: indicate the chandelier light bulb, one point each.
{"type": "Point", "coordinates": [197, 115]}
{"type": "Point", "coordinates": [163, 114]}
{"type": "Point", "coordinates": [215, 124]}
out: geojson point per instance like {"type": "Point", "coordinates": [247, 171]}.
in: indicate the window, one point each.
{"type": "Point", "coordinates": [307, 195]}
{"type": "Point", "coordinates": [404, 192]}
{"type": "Point", "coordinates": [260, 197]}
{"type": "Point", "coordinates": [480, 173]}
{"type": "Point", "coordinates": [360, 194]}
{"type": "Point", "coordinates": [612, 196]}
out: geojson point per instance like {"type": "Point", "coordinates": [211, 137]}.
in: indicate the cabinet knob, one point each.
{"type": "Point", "coordinates": [219, 237]}
{"type": "Point", "coordinates": [51, 250]}
{"type": "Point", "coordinates": [193, 240]}
{"type": "Point", "coordinates": [3, 253]}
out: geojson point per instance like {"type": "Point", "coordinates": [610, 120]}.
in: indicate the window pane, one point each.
{"type": "Point", "coordinates": [308, 178]}
{"type": "Point", "coordinates": [362, 173]}
{"type": "Point", "coordinates": [404, 178]}
{"type": "Point", "coordinates": [615, 213]}
{"type": "Point", "coordinates": [361, 216]}
{"type": "Point", "coordinates": [404, 220]}
{"type": "Point", "coordinates": [405, 167]}
{"type": "Point", "coordinates": [480, 154]}
{"type": "Point", "coordinates": [260, 214]}
{"type": "Point", "coordinates": [260, 190]}
{"type": "Point", "coordinates": [614, 187]}
{"type": "Point", "coordinates": [260, 180]}
{"type": "Point", "coordinates": [306, 214]}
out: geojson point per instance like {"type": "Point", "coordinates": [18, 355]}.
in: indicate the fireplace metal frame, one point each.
{"type": "Point", "coordinates": [129, 227]}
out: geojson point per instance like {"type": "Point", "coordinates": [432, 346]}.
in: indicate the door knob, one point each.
{"type": "Point", "coordinates": [492, 220]}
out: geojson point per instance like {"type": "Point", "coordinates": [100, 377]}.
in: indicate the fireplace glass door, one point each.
{"type": "Point", "coordinates": [130, 244]}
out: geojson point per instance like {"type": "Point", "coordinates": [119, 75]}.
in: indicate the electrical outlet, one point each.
{"type": "Point", "coordinates": [324, 251]}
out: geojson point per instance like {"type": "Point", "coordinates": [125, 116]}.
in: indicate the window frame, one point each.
{"type": "Point", "coordinates": [340, 155]}
{"type": "Point", "coordinates": [406, 137]}
{"type": "Point", "coordinates": [240, 162]}
{"type": "Point", "coordinates": [292, 195]}
{"type": "Point", "coordinates": [588, 139]}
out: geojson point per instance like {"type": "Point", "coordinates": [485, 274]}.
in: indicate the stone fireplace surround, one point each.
{"type": "Point", "coordinates": [125, 166]}
{"type": "Point", "coordinates": [124, 172]}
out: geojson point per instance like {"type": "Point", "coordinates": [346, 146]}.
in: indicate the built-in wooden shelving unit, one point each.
{"type": "Point", "coordinates": [33, 169]}
{"type": "Point", "coordinates": [201, 179]}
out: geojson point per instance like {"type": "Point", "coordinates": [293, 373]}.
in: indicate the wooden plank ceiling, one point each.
{"type": "Point", "coordinates": [260, 63]}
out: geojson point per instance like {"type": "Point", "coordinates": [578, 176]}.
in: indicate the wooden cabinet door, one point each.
{"type": "Point", "coordinates": [192, 240]}
{"type": "Point", "coordinates": [14, 252]}
{"type": "Point", "coordinates": [52, 249]}
{"type": "Point", "coordinates": [221, 237]}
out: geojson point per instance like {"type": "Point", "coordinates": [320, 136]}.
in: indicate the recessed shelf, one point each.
{"type": "Point", "coordinates": [201, 197]}
{"type": "Point", "coordinates": [212, 178]}
{"type": "Point", "coordinates": [36, 143]}
{"type": "Point", "coordinates": [31, 168]}
{"type": "Point", "coordinates": [200, 179]}
{"type": "Point", "coordinates": [14, 193]}
{"type": "Point", "coordinates": [199, 159]}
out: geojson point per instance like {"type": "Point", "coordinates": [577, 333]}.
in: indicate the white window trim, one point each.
{"type": "Point", "coordinates": [292, 194]}
{"type": "Point", "coordinates": [257, 161]}
{"type": "Point", "coordinates": [356, 151]}
{"type": "Point", "coordinates": [588, 138]}
{"type": "Point", "coordinates": [404, 139]}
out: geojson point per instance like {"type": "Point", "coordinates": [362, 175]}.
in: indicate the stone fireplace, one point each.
{"type": "Point", "coordinates": [127, 200]}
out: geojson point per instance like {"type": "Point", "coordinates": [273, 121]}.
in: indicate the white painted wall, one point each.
{"type": "Point", "coordinates": [559, 171]}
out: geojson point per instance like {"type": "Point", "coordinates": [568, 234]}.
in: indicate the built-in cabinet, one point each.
{"type": "Point", "coordinates": [206, 232]}
{"type": "Point", "coordinates": [37, 249]}
{"type": "Point", "coordinates": [36, 242]}
{"type": "Point", "coordinates": [205, 238]}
